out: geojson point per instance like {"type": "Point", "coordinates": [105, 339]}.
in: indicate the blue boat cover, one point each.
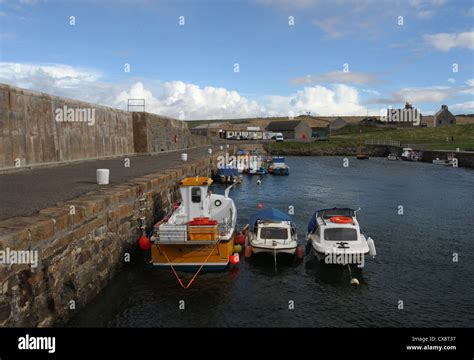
{"type": "Point", "coordinates": [270, 214]}
{"type": "Point", "coordinates": [228, 171]}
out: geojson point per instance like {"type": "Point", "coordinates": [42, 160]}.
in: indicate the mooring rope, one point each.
{"type": "Point", "coordinates": [197, 272]}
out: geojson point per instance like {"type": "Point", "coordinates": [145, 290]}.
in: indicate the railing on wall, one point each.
{"type": "Point", "coordinates": [382, 142]}
{"type": "Point", "coordinates": [132, 104]}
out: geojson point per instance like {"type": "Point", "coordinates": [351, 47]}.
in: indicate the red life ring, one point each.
{"type": "Point", "coordinates": [341, 219]}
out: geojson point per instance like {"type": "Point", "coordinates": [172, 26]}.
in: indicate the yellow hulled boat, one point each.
{"type": "Point", "coordinates": [200, 232]}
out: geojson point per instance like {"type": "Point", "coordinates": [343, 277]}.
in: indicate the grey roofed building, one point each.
{"type": "Point", "coordinates": [291, 129]}
{"type": "Point", "coordinates": [283, 125]}
{"type": "Point", "coordinates": [338, 123]}
{"type": "Point", "coordinates": [444, 117]}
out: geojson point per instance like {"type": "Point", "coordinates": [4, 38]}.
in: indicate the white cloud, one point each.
{"type": "Point", "coordinates": [51, 75]}
{"type": "Point", "coordinates": [470, 82]}
{"type": "Point", "coordinates": [339, 77]}
{"type": "Point", "coordinates": [435, 94]}
{"type": "Point", "coordinates": [331, 26]}
{"type": "Point", "coordinates": [448, 41]}
{"type": "Point", "coordinates": [372, 92]}
{"type": "Point", "coordinates": [168, 98]}
{"type": "Point", "coordinates": [451, 80]}
{"type": "Point", "coordinates": [193, 101]}
{"type": "Point", "coordinates": [465, 107]}
{"type": "Point", "coordinates": [426, 9]}
{"type": "Point", "coordinates": [320, 100]}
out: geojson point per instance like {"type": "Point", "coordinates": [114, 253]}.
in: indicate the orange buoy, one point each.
{"type": "Point", "coordinates": [248, 252]}
{"type": "Point", "coordinates": [299, 252]}
{"type": "Point", "coordinates": [341, 219]}
{"type": "Point", "coordinates": [240, 239]}
{"type": "Point", "coordinates": [144, 243]}
{"type": "Point", "coordinates": [234, 259]}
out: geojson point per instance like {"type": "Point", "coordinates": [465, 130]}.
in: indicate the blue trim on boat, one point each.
{"type": "Point", "coordinates": [270, 214]}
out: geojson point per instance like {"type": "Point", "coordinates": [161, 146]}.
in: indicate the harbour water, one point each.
{"type": "Point", "coordinates": [414, 266]}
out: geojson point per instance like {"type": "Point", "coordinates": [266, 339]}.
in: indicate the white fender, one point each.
{"type": "Point", "coordinates": [371, 244]}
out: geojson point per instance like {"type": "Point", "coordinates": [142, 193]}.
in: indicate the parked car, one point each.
{"type": "Point", "coordinates": [279, 137]}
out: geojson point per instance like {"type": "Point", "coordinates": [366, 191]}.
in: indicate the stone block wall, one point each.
{"type": "Point", "coordinates": [80, 251]}
{"type": "Point", "coordinates": [30, 133]}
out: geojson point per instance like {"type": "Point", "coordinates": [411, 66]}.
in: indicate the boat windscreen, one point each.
{"type": "Point", "coordinates": [273, 233]}
{"type": "Point", "coordinates": [329, 213]}
{"type": "Point", "coordinates": [340, 234]}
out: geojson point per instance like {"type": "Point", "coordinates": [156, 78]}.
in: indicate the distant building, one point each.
{"type": "Point", "coordinates": [320, 133]}
{"type": "Point", "coordinates": [370, 121]}
{"type": "Point", "coordinates": [338, 123]}
{"type": "Point", "coordinates": [444, 117]}
{"type": "Point", "coordinates": [292, 129]}
{"type": "Point", "coordinates": [215, 129]}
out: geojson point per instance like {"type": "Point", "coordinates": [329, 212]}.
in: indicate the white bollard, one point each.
{"type": "Point", "coordinates": [102, 176]}
{"type": "Point", "coordinates": [228, 146]}
{"type": "Point", "coordinates": [184, 157]}
{"type": "Point", "coordinates": [457, 149]}
{"type": "Point", "coordinates": [221, 147]}
{"type": "Point", "coordinates": [209, 151]}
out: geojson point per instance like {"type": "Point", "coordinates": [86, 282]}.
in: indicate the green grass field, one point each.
{"type": "Point", "coordinates": [427, 138]}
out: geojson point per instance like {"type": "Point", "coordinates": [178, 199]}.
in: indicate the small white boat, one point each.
{"type": "Point", "coordinates": [272, 231]}
{"type": "Point", "coordinates": [392, 157]}
{"type": "Point", "coordinates": [408, 154]}
{"type": "Point", "coordinates": [448, 162]}
{"type": "Point", "coordinates": [335, 236]}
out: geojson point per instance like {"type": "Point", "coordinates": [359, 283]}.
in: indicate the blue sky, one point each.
{"type": "Point", "coordinates": [188, 71]}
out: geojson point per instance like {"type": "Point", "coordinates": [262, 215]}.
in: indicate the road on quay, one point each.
{"type": "Point", "coordinates": [25, 192]}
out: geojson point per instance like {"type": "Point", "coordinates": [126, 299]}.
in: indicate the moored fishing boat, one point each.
{"type": "Point", "coordinates": [278, 166]}
{"type": "Point", "coordinates": [392, 157]}
{"type": "Point", "coordinates": [228, 175]}
{"type": "Point", "coordinates": [200, 231]}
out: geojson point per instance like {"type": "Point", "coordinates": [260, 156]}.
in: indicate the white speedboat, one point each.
{"type": "Point", "coordinates": [335, 236]}
{"type": "Point", "coordinates": [272, 231]}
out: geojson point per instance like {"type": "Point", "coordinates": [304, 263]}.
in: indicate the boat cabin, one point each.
{"type": "Point", "coordinates": [196, 198]}
{"type": "Point", "coordinates": [326, 226]}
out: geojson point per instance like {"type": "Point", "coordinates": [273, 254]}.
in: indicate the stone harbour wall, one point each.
{"type": "Point", "coordinates": [30, 133]}
{"type": "Point", "coordinates": [80, 251]}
